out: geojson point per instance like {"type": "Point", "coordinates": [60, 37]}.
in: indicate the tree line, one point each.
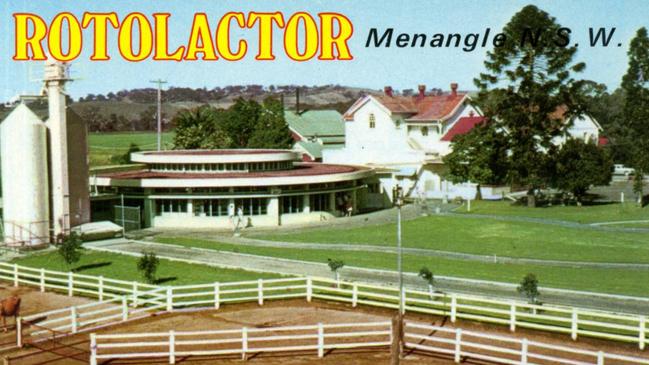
{"type": "Point", "coordinates": [530, 95]}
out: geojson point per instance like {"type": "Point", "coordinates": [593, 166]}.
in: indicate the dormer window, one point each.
{"type": "Point", "coordinates": [424, 131]}
{"type": "Point", "coordinates": [372, 120]}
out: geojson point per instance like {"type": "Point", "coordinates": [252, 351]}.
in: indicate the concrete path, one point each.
{"type": "Point", "coordinates": [295, 267]}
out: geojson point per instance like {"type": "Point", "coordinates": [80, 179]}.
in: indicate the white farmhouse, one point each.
{"type": "Point", "coordinates": [405, 137]}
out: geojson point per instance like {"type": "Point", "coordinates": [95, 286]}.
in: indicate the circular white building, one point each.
{"type": "Point", "coordinates": [214, 188]}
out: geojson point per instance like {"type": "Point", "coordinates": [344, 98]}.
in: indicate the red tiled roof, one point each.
{"type": "Point", "coordinates": [462, 126]}
{"type": "Point", "coordinates": [428, 107]}
{"type": "Point", "coordinates": [298, 170]}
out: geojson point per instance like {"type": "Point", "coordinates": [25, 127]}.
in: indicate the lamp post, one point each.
{"type": "Point", "coordinates": [397, 200]}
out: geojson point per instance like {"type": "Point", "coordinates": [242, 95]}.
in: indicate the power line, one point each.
{"type": "Point", "coordinates": [159, 114]}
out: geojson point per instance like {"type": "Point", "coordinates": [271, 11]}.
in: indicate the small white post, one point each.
{"type": "Point", "coordinates": [575, 324]}
{"type": "Point", "coordinates": [453, 307]}
{"type": "Point", "coordinates": [622, 197]}
{"type": "Point", "coordinates": [42, 280]}
{"type": "Point", "coordinates": [458, 345]}
{"type": "Point", "coordinates": [170, 299]}
{"type": "Point", "coordinates": [244, 342]}
{"type": "Point", "coordinates": [512, 317]}
{"type": "Point", "coordinates": [260, 292]}
{"type": "Point", "coordinates": [135, 294]}
{"type": "Point", "coordinates": [354, 295]}
{"type": "Point", "coordinates": [124, 309]}
{"type": "Point", "coordinates": [172, 347]}
{"type": "Point", "coordinates": [15, 275]}
{"type": "Point", "coordinates": [524, 351]}
{"type": "Point", "coordinates": [642, 332]}
{"type": "Point", "coordinates": [600, 358]}
{"type": "Point", "coordinates": [19, 332]}
{"type": "Point", "coordinates": [309, 289]}
{"type": "Point", "coordinates": [93, 349]}
{"type": "Point", "coordinates": [320, 340]}
{"type": "Point", "coordinates": [101, 288]}
{"type": "Point", "coordinates": [217, 296]}
{"type": "Point", "coordinates": [70, 284]}
{"type": "Point", "coordinates": [468, 205]}
{"type": "Point", "coordinates": [73, 319]}
{"type": "Point", "coordinates": [403, 298]}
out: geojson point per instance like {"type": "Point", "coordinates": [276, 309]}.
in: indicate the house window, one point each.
{"type": "Point", "coordinates": [424, 131]}
{"type": "Point", "coordinates": [372, 120]}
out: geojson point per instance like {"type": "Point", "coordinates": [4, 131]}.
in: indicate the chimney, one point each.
{"type": "Point", "coordinates": [297, 101]}
{"type": "Point", "coordinates": [388, 91]}
{"type": "Point", "coordinates": [454, 89]}
{"type": "Point", "coordinates": [422, 91]}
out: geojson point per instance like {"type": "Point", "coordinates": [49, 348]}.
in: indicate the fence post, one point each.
{"type": "Point", "coordinates": [217, 296]}
{"type": "Point", "coordinates": [73, 319]}
{"type": "Point", "coordinates": [70, 283]}
{"type": "Point", "coordinates": [19, 332]}
{"type": "Point", "coordinates": [575, 324]}
{"type": "Point", "coordinates": [320, 340]}
{"type": "Point", "coordinates": [124, 309]}
{"type": "Point", "coordinates": [309, 289]}
{"type": "Point", "coordinates": [172, 347]}
{"type": "Point", "coordinates": [135, 294]}
{"type": "Point", "coordinates": [244, 342]}
{"type": "Point", "coordinates": [600, 358]}
{"type": "Point", "coordinates": [354, 295]}
{"type": "Point", "coordinates": [101, 288]}
{"type": "Point", "coordinates": [16, 275]}
{"type": "Point", "coordinates": [260, 291]}
{"type": "Point", "coordinates": [641, 332]}
{"type": "Point", "coordinates": [458, 345]}
{"type": "Point", "coordinates": [512, 317]}
{"type": "Point", "coordinates": [403, 298]}
{"type": "Point", "coordinates": [170, 299]}
{"type": "Point", "coordinates": [524, 351]}
{"type": "Point", "coordinates": [453, 307]}
{"type": "Point", "coordinates": [93, 349]}
{"type": "Point", "coordinates": [42, 280]}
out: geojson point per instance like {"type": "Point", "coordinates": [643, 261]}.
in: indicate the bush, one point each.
{"type": "Point", "coordinates": [530, 288]}
{"type": "Point", "coordinates": [148, 265]}
{"type": "Point", "coordinates": [69, 248]}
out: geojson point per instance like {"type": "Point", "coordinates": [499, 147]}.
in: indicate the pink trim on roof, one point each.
{"type": "Point", "coordinates": [462, 126]}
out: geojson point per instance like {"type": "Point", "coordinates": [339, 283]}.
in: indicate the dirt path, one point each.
{"type": "Point", "coordinates": [295, 267]}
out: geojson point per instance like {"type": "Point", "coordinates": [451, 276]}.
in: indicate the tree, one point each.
{"type": "Point", "coordinates": [428, 276]}
{"type": "Point", "coordinates": [479, 156]}
{"type": "Point", "coordinates": [200, 128]}
{"type": "Point", "coordinates": [69, 249]}
{"type": "Point", "coordinates": [579, 165]}
{"type": "Point", "coordinates": [524, 84]}
{"type": "Point", "coordinates": [241, 120]}
{"type": "Point", "coordinates": [148, 265]}
{"type": "Point", "coordinates": [335, 266]}
{"type": "Point", "coordinates": [271, 130]}
{"type": "Point", "coordinates": [126, 157]}
{"type": "Point", "coordinates": [635, 84]}
{"type": "Point", "coordinates": [530, 288]}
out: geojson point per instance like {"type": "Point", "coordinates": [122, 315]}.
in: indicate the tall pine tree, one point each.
{"type": "Point", "coordinates": [525, 83]}
{"type": "Point", "coordinates": [271, 130]}
{"type": "Point", "coordinates": [636, 107]}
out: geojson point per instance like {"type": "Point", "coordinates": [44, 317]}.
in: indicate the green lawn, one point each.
{"type": "Point", "coordinates": [103, 146]}
{"type": "Point", "coordinates": [490, 236]}
{"type": "Point", "coordinates": [583, 214]}
{"type": "Point", "coordinates": [124, 267]}
{"type": "Point", "coordinates": [617, 281]}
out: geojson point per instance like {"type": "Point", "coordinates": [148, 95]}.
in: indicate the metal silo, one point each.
{"type": "Point", "coordinates": [23, 154]}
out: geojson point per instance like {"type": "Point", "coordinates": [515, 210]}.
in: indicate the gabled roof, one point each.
{"type": "Point", "coordinates": [418, 108]}
{"type": "Point", "coordinates": [313, 123]}
{"type": "Point", "coordinates": [462, 126]}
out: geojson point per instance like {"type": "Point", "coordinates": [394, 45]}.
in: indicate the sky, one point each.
{"type": "Point", "coordinates": [371, 67]}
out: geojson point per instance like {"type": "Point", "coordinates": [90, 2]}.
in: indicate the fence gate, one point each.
{"type": "Point", "coordinates": [128, 217]}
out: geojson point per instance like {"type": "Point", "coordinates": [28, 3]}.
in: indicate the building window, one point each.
{"type": "Point", "coordinates": [171, 206]}
{"type": "Point", "coordinates": [292, 204]}
{"type": "Point", "coordinates": [372, 120]}
{"type": "Point", "coordinates": [424, 131]}
{"type": "Point", "coordinates": [319, 202]}
{"type": "Point", "coordinates": [252, 206]}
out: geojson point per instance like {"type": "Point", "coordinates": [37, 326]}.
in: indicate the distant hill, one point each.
{"type": "Point", "coordinates": [135, 110]}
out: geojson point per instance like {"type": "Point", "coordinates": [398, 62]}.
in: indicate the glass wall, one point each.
{"type": "Point", "coordinates": [319, 202]}
{"type": "Point", "coordinates": [291, 204]}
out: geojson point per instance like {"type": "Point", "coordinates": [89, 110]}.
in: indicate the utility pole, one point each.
{"type": "Point", "coordinates": [397, 345]}
{"type": "Point", "coordinates": [159, 82]}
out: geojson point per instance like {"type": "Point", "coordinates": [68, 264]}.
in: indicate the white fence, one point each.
{"type": "Point", "coordinates": [317, 338]}
{"type": "Point", "coordinates": [460, 344]}
{"type": "Point", "coordinates": [573, 321]}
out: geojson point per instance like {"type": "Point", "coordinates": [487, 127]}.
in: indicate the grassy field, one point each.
{"type": "Point", "coordinates": [486, 236]}
{"type": "Point", "coordinates": [617, 281]}
{"type": "Point", "coordinates": [124, 267]}
{"type": "Point", "coordinates": [103, 146]}
{"type": "Point", "coordinates": [583, 214]}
